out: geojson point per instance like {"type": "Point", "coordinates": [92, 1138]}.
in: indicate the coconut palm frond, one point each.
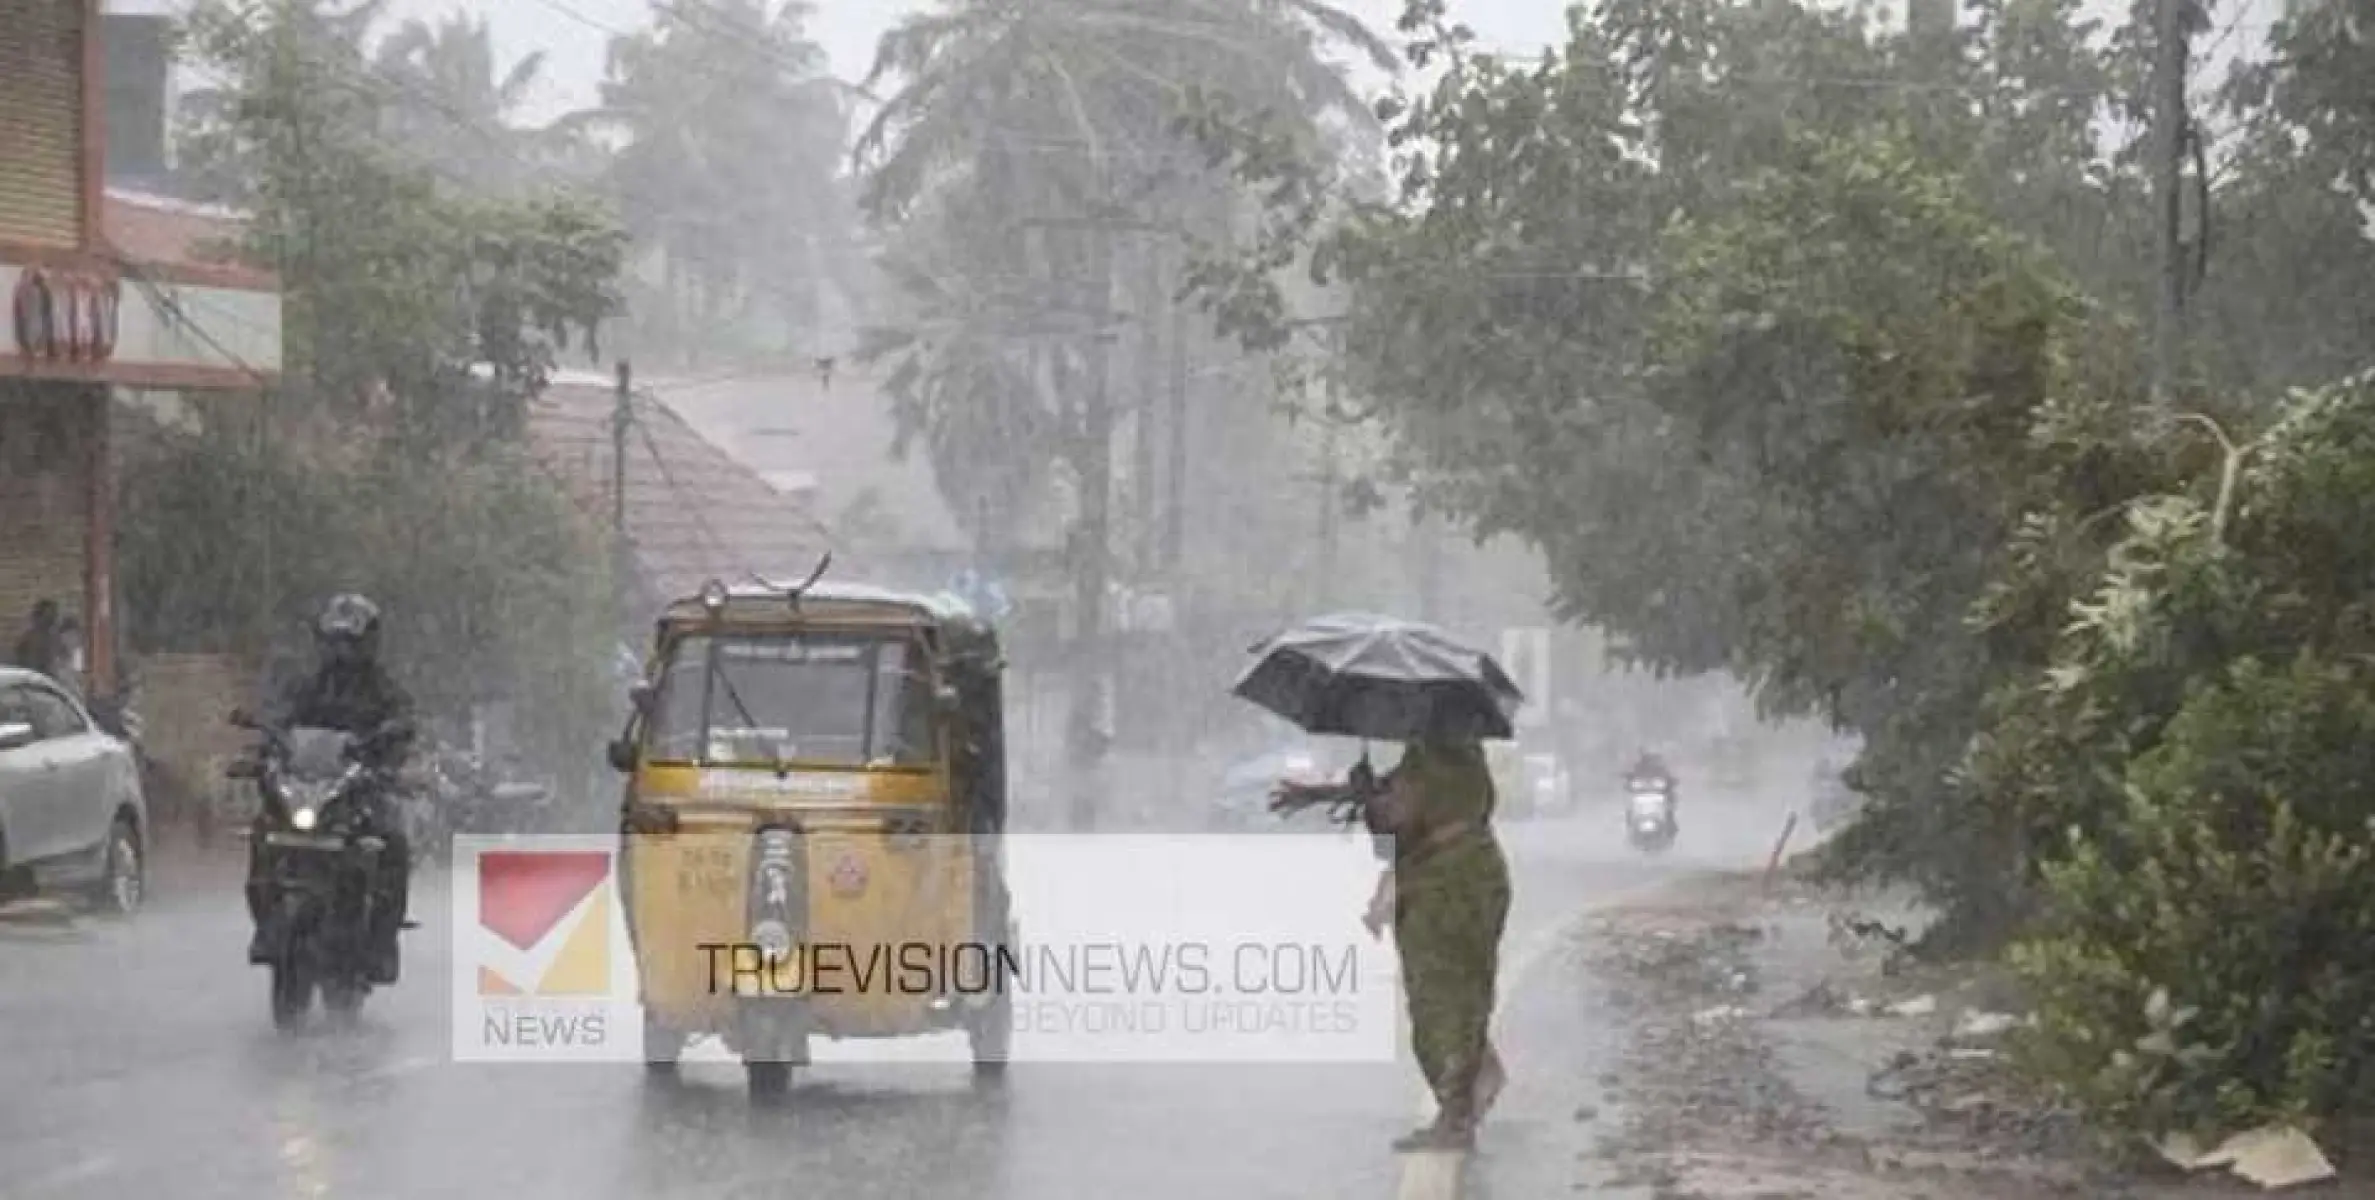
{"type": "Point", "coordinates": [513, 90]}
{"type": "Point", "coordinates": [1350, 30]}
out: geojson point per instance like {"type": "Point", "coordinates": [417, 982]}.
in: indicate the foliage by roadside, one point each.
{"type": "Point", "coordinates": [422, 319]}
{"type": "Point", "coordinates": [2207, 957]}
{"type": "Point", "coordinates": [494, 587]}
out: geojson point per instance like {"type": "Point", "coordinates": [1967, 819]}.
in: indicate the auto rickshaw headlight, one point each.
{"type": "Point", "coordinates": [714, 596]}
{"type": "Point", "coordinates": [773, 938]}
{"type": "Point", "coordinates": [302, 819]}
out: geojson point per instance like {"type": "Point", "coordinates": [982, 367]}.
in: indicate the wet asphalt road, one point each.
{"type": "Point", "coordinates": [138, 1060]}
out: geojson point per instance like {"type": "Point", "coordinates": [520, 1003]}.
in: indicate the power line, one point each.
{"type": "Point", "coordinates": [170, 304]}
{"type": "Point", "coordinates": [651, 446]}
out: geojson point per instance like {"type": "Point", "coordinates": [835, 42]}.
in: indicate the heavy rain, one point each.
{"type": "Point", "coordinates": [1187, 598]}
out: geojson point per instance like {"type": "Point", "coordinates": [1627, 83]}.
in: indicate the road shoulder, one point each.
{"type": "Point", "coordinates": [1763, 1049]}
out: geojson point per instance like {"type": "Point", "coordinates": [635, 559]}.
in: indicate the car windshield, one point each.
{"type": "Point", "coordinates": [754, 700]}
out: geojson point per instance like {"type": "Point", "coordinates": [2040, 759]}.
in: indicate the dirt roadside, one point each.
{"type": "Point", "coordinates": [1770, 1049]}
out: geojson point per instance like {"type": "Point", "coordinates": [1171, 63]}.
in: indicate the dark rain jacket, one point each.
{"type": "Point", "coordinates": [351, 698]}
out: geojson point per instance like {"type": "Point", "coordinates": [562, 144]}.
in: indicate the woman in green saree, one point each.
{"type": "Point", "coordinates": [1446, 893]}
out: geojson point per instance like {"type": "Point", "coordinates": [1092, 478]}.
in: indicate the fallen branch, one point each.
{"type": "Point", "coordinates": [1773, 864]}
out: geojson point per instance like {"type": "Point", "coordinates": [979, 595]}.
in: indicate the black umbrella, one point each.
{"type": "Point", "coordinates": [1380, 677]}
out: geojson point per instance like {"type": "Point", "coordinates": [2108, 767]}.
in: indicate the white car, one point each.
{"type": "Point", "coordinates": [1243, 802]}
{"type": "Point", "coordinates": [1549, 791]}
{"type": "Point", "coordinates": [72, 817]}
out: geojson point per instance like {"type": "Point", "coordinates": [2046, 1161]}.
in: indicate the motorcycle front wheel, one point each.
{"type": "Point", "coordinates": [344, 999]}
{"type": "Point", "coordinates": [292, 995]}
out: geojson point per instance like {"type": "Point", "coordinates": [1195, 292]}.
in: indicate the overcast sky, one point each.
{"type": "Point", "coordinates": [574, 33]}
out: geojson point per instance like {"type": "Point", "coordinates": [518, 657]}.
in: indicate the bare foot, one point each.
{"type": "Point", "coordinates": [1442, 1135]}
{"type": "Point", "coordinates": [1490, 1079]}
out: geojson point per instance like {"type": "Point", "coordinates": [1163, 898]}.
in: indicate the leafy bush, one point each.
{"type": "Point", "coordinates": [2211, 963]}
{"type": "Point", "coordinates": [2192, 767]}
{"type": "Point", "coordinates": [492, 584]}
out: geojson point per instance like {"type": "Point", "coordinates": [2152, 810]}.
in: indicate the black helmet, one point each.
{"type": "Point", "coordinates": [348, 627]}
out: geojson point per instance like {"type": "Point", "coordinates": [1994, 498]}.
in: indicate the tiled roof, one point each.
{"type": "Point", "coordinates": [693, 512]}
{"type": "Point", "coordinates": [840, 434]}
{"type": "Point", "coordinates": [157, 231]}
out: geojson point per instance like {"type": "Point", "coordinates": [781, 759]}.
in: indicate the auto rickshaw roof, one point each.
{"type": "Point", "coordinates": [966, 628]}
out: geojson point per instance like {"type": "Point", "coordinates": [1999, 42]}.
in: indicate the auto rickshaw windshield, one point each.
{"type": "Point", "coordinates": [764, 699]}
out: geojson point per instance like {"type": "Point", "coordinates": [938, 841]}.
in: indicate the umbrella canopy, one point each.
{"type": "Point", "coordinates": [1370, 676]}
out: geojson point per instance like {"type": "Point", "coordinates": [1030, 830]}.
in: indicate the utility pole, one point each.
{"type": "Point", "coordinates": [622, 415]}
{"type": "Point", "coordinates": [1175, 513]}
{"type": "Point", "coordinates": [1150, 381]}
{"type": "Point", "coordinates": [1093, 550]}
{"type": "Point", "coordinates": [1429, 552]}
{"type": "Point", "coordinates": [622, 576]}
{"type": "Point", "coordinates": [1328, 485]}
{"type": "Point", "coordinates": [2168, 121]}
{"type": "Point", "coordinates": [1088, 730]}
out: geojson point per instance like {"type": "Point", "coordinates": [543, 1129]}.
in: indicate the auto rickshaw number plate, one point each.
{"type": "Point", "coordinates": [707, 871]}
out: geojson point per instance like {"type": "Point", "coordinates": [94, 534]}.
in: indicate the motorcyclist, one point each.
{"type": "Point", "coordinates": [1649, 770]}
{"type": "Point", "coordinates": [349, 691]}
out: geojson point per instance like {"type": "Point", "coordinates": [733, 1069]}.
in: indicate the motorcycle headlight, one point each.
{"type": "Point", "coordinates": [303, 818]}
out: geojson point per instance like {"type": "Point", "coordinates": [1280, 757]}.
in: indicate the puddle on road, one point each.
{"type": "Point", "coordinates": [1825, 1061]}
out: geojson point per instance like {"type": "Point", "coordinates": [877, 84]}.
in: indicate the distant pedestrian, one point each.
{"type": "Point", "coordinates": [39, 647]}
{"type": "Point", "coordinates": [71, 667]}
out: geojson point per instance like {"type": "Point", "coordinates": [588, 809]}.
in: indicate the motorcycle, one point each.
{"type": "Point", "coordinates": [322, 806]}
{"type": "Point", "coordinates": [1649, 814]}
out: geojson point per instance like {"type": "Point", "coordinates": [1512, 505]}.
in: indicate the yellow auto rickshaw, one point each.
{"type": "Point", "coordinates": [811, 824]}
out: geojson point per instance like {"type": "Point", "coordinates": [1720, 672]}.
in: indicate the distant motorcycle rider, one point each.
{"type": "Point", "coordinates": [349, 691]}
{"type": "Point", "coordinates": [1651, 770]}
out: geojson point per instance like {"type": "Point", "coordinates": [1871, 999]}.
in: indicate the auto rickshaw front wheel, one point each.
{"type": "Point", "coordinates": [662, 1046]}
{"type": "Point", "coordinates": [989, 1031]}
{"type": "Point", "coordinates": [769, 1081]}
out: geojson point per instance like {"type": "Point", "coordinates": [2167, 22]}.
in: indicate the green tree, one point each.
{"type": "Point", "coordinates": [734, 136]}
{"type": "Point", "coordinates": [2203, 960]}
{"type": "Point", "coordinates": [395, 287]}
{"type": "Point", "coordinates": [450, 107]}
{"type": "Point", "coordinates": [1034, 171]}
{"type": "Point", "coordinates": [419, 325]}
{"type": "Point", "coordinates": [1766, 327]}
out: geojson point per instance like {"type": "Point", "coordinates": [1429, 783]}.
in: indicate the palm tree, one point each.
{"type": "Point", "coordinates": [1008, 88]}
{"type": "Point", "coordinates": [1015, 118]}
{"type": "Point", "coordinates": [1024, 134]}
{"type": "Point", "coordinates": [729, 170]}
{"type": "Point", "coordinates": [449, 106]}
{"type": "Point", "coordinates": [311, 47]}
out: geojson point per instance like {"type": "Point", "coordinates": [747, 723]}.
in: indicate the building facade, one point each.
{"type": "Point", "coordinates": [87, 320]}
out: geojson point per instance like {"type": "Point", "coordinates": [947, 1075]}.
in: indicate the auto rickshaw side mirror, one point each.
{"type": "Point", "coordinates": [622, 756]}
{"type": "Point", "coordinates": [640, 695]}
